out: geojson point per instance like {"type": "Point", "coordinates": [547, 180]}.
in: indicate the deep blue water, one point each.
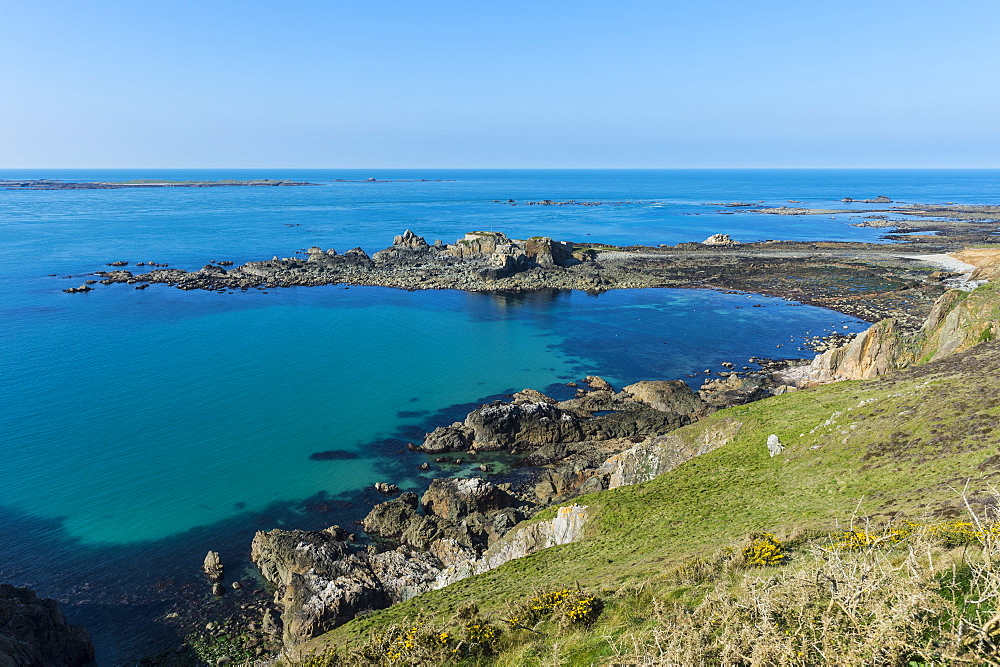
{"type": "Point", "coordinates": [143, 428]}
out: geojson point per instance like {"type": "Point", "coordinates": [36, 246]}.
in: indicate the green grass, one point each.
{"type": "Point", "coordinates": [902, 444]}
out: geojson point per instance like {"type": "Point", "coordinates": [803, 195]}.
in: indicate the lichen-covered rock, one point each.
{"type": "Point", "coordinates": [646, 460]}
{"type": "Point", "coordinates": [454, 499]}
{"type": "Point", "coordinates": [774, 446]}
{"type": "Point", "coordinates": [320, 582]}
{"type": "Point", "coordinates": [34, 633]}
{"type": "Point", "coordinates": [503, 425]}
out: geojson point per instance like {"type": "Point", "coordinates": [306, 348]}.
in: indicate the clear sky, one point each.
{"type": "Point", "coordinates": [503, 84]}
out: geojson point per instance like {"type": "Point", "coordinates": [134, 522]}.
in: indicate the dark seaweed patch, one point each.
{"type": "Point", "coordinates": [333, 455]}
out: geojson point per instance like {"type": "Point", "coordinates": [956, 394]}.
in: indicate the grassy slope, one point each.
{"type": "Point", "coordinates": [907, 443]}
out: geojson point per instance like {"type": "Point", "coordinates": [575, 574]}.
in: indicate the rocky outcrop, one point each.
{"type": "Point", "coordinates": [533, 422]}
{"type": "Point", "coordinates": [668, 396]}
{"type": "Point", "coordinates": [875, 351]}
{"type": "Point", "coordinates": [454, 499]}
{"type": "Point", "coordinates": [528, 538]}
{"type": "Point", "coordinates": [34, 633]}
{"type": "Point", "coordinates": [721, 239]}
{"type": "Point", "coordinates": [468, 512]}
{"type": "Point", "coordinates": [654, 457]}
{"type": "Point", "coordinates": [734, 390]}
{"type": "Point", "coordinates": [321, 581]}
{"type": "Point", "coordinates": [958, 320]}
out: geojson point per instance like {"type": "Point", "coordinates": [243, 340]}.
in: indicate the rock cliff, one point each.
{"type": "Point", "coordinates": [958, 321]}
{"type": "Point", "coordinates": [33, 633]}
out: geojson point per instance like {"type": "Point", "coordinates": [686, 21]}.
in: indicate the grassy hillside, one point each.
{"type": "Point", "coordinates": [906, 444]}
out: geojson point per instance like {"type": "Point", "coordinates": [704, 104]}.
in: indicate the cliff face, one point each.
{"type": "Point", "coordinates": [958, 321]}
{"type": "Point", "coordinates": [34, 632]}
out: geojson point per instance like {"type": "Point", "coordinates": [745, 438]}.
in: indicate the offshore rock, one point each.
{"type": "Point", "coordinates": [454, 438]}
{"type": "Point", "coordinates": [598, 383]}
{"type": "Point", "coordinates": [410, 240]}
{"type": "Point", "coordinates": [213, 566]}
{"type": "Point", "coordinates": [33, 632]}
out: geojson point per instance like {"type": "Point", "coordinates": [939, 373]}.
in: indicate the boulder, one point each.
{"type": "Point", "coordinates": [34, 632]}
{"type": "Point", "coordinates": [455, 499]}
{"type": "Point", "coordinates": [720, 239]}
{"type": "Point", "coordinates": [667, 396]}
{"type": "Point", "coordinates": [454, 438]}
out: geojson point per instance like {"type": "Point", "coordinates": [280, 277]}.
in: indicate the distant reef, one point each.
{"type": "Point", "coordinates": [46, 184]}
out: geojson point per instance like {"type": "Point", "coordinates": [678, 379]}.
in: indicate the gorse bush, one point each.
{"type": "Point", "coordinates": [427, 642]}
{"type": "Point", "coordinates": [902, 593]}
{"type": "Point", "coordinates": [765, 551]}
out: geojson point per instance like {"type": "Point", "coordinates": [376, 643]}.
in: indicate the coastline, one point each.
{"type": "Point", "coordinates": [771, 258]}
{"type": "Point", "coordinates": [554, 469]}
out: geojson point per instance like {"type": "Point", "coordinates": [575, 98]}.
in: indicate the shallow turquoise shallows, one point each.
{"type": "Point", "coordinates": [141, 428]}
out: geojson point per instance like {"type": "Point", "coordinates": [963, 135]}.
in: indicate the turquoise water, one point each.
{"type": "Point", "coordinates": [150, 426]}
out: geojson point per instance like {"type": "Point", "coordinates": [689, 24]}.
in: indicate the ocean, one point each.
{"type": "Point", "coordinates": [141, 429]}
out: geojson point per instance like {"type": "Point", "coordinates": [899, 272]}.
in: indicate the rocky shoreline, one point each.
{"type": "Point", "coordinates": [869, 281]}
{"type": "Point", "coordinates": [461, 526]}
{"type": "Point", "coordinates": [598, 440]}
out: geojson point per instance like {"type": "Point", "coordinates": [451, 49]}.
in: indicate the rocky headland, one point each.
{"type": "Point", "coordinates": [602, 438]}
{"type": "Point", "coordinates": [599, 440]}
{"type": "Point", "coordinates": [870, 281]}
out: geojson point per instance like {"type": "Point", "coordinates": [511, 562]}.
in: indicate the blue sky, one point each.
{"type": "Point", "coordinates": [437, 83]}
